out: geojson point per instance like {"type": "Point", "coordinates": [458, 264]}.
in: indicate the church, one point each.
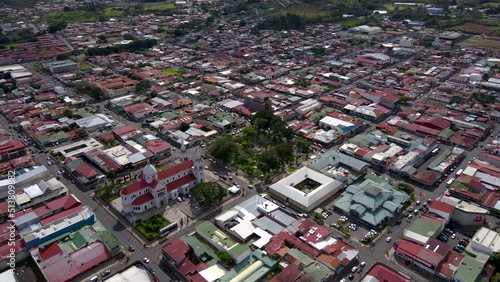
{"type": "Point", "coordinates": [153, 189]}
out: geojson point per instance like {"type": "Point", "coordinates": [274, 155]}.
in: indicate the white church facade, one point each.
{"type": "Point", "coordinates": [153, 189]}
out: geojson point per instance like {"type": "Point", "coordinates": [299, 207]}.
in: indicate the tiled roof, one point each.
{"type": "Point", "coordinates": [143, 199]}
{"type": "Point", "coordinates": [180, 182]}
{"type": "Point", "coordinates": [175, 170]}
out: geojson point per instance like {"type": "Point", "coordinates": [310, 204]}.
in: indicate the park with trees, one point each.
{"type": "Point", "coordinates": [265, 148]}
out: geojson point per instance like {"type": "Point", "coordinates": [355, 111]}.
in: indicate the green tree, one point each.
{"type": "Point", "coordinates": [496, 277]}
{"type": "Point", "coordinates": [143, 86]}
{"type": "Point", "coordinates": [302, 146]}
{"type": "Point", "coordinates": [285, 152]}
{"type": "Point", "coordinates": [224, 257]}
{"type": "Point", "coordinates": [405, 99]}
{"type": "Point", "coordinates": [224, 148]}
{"type": "Point", "coordinates": [209, 193]}
{"type": "Point", "coordinates": [183, 127]}
{"type": "Point", "coordinates": [68, 113]}
{"type": "Point", "coordinates": [269, 160]}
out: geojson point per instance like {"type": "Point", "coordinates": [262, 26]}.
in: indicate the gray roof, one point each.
{"type": "Point", "coordinates": [268, 225]}
{"type": "Point", "coordinates": [333, 158]}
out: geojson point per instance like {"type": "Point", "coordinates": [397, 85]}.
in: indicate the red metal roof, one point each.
{"type": "Point", "coordinates": [175, 169]}
{"type": "Point", "coordinates": [143, 199]}
{"type": "Point", "coordinates": [176, 249]}
{"type": "Point", "coordinates": [137, 186]}
{"type": "Point", "coordinates": [417, 252]}
{"type": "Point", "coordinates": [64, 267]}
{"type": "Point", "coordinates": [180, 182]}
{"type": "Point", "coordinates": [124, 130]}
{"type": "Point", "coordinates": [62, 214]}
{"type": "Point", "coordinates": [383, 272]}
{"type": "Point", "coordinates": [11, 146]}
{"type": "Point", "coordinates": [440, 206]}
{"type": "Point", "coordinates": [291, 273]}
{"type": "Point", "coordinates": [86, 170]}
{"type": "Point", "coordinates": [451, 262]}
{"type": "Point", "coordinates": [50, 251]}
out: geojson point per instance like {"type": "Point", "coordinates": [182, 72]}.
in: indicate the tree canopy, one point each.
{"type": "Point", "coordinates": [224, 148]}
{"type": "Point", "coordinates": [208, 193]}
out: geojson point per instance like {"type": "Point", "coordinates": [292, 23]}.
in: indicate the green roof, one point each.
{"type": "Point", "coordinates": [220, 240]}
{"type": "Point", "coordinates": [315, 270]}
{"type": "Point", "coordinates": [334, 158]}
{"type": "Point", "coordinates": [439, 159]}
{"type": "Point", "coordinates": [170, 115]}
{"type": "Point", "coordinates": [266, 265]}
{"type": "Point", "coordinates": [447, 133]}
{"type": "Point", "coordinates": [470, 269]}
{"type": "Point", "coordinates": [201, 251]}
{"type": "Point", "coordinates": [423, 227]}
{"type": "Point", "coordinates": [49, 138]}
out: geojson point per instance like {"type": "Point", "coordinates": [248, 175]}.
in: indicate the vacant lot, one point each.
{"type": "Point", "coordinates": [478, 41]}
{"type": "Point", "coordinates": [478, 29]}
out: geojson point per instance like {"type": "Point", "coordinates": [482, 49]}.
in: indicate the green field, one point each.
{"type": "Point", "coordinates": [349, 23]}
{"type": "Point", "coordinates": [160, 7]}
{"type": "Point", "coordinates": [84, 66]}
{"type": "Point", "coordinates": [305, 11]}
{"type": "Point", "coordinates": [171, 72]}
{"type": "Point", "coordinates": [112, 13]}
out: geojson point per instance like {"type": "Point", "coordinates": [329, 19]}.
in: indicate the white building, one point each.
{"type": "Point", "coordinates": [154, 189]}
{"type": "Point", "coordinates": [95, 122]}
{"type": "Point", "coordinates": [486, 241]}
{"type": "Point", "coordinates": [304, 198]}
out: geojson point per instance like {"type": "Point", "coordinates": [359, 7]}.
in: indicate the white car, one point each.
{"type": "Point", "coordinates": [453, 236]}
{"type": "Point", "coordinates": [373, 232]}
{"type": "Point", "coordinates": [388, 239]}
{"type": "Point", "coordinates": [179, 199]}
{"type": "Point", "coordinates": [353, 270]}
{"type": "Point", "coordinates": [362, 264]}
{"type": "Point", "coordinates": [146, 260]}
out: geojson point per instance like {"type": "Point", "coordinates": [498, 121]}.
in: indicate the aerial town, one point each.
{"type": "Point", "coordinates": [246, 141]}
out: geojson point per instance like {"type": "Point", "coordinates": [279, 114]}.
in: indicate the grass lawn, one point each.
{"type": "Point", "coordinates": [70, 17]}
{"type": "Point", "coordinates": [305, 11]}
{"type": "Point", "coordinates": [108, 197]}
{"type": "Point", "coordinates": [150, 227]}
{"type": "Point", "coordinates": [84, 66]}
{"type": "Point", "coordinates": [389, 7]}
{"type": "Point", "coordinates": [159, 7]}
{"type": "Point", "coordinates": [349, 23]}
{"type": "Point", "coordinates": [10, 45]}
{"type": "Point", "coordinates": [171, 72]}
{"type": "Point", "coordinates": [112, 13]}
{"type": "Point", "coordinates": [477, 41]}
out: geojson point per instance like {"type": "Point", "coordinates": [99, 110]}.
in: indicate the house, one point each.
{"type": "Point", "coordinates": [10, 149]}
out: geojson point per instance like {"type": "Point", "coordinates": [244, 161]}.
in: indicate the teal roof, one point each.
{"type": "Point", "coordinates": [267, 264]}
{"type": "Point", "coordinates": [371, 201]}
{"type": "Point", "coordinates": [201, 251]}
{"type": "Point", "coordinates": [423, 227]}
{"type": "Point", "coordinates": [470, 269]}
{"type": "Point", "coordinates": [334, 158]}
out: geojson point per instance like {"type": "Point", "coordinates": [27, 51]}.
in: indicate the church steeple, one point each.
{"type": "Point", "coordinates": [198, 166]}
{"type": "Point", "coordinates": [149, 173]}
{"type": "Point", "coordinates": [183, 154]}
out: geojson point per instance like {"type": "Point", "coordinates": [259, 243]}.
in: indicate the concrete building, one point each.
{"type": "Point", "coordinates": [79, 148]}
{"type": "Point", "coordinates": [62, 66]}
{"type": "Point", "coordinates": [485, 241]}
{"type": "Point", "coordinates": [25, 179]}
{"type": "Point", "coordinates": [305, 189]}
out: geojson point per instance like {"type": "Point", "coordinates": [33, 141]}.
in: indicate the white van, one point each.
{"type": "Point", "coordinates": [94, 279]}
{"type": "Point", "coordinates": [459, 172]}
{"type": "Point", "coordinates": [450, 181]}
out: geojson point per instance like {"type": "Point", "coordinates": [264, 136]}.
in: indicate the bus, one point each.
{"type": "Point", "coordinates": [459, 172]}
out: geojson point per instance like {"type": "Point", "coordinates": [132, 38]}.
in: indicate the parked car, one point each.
{"type": "Point", "coordinates": [388, 239]}
{"type": "Point", "coordinates": [354, 269]}
{"type": "Point", "coordinates": [131, 248]}
{"type": "Point", "coordinates": [146, 260]}
{"type": "Point", "coordinates": [362, 264]}
{"type": "Point", "coordinates": [399, 222]}
{"type": "Point", "coordinates": [456, 249]}
{"type": "Point", "coordinates": [106, 273]}
{"type": "Point", "coordinates": [454, 236]}
{"type": "Point", "coordinates": [179, 199]}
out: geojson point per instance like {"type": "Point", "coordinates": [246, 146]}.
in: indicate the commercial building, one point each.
{"type": "Point", "coordinates": [41, 192]}
{"type": "Point", "coordinates": [485, 241]}
{"type": "Point", "coordinates": [371, 203]}
{"type": "Point", "coordinates": [381, 272]}
{"type": "Point", "coordinates": [27, 178]}
{"type": "Point", "coordinates": [305, 189]}
{"type": "Point", "coordinates": [220, 241]}
{"type": "Point", "coordinates": [62, 66]}
{"type": "Point", "coordinates": [78, 148]}
{"type": "Point", "coordinates": [95, 122]}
